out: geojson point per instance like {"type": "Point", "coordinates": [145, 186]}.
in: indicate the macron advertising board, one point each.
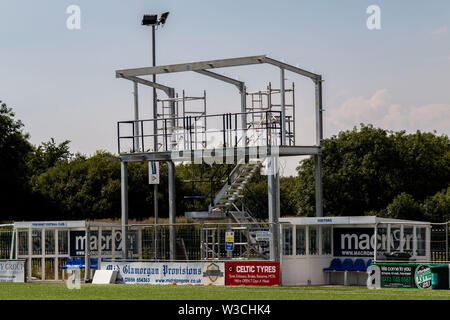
{"type": "Point", "coordinates": [12, 270]}
{"type": "Point", "coordinates": [360, 242]}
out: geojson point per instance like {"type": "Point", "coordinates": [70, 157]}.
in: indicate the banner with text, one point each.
{"type": "Point", "coordinates": [403, 275]}
{"type": "Point", "coordinates": [167, 273]}
{"type": "Point", "coordinates": [104, 242]}
{"type": "Point", "coordinates": [252, 273]}
{"type": "Point", "coordinates": [12, 270]}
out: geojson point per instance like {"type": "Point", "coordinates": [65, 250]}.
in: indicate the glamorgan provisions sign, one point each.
{"type": "Point", "coordinates": [167, 273]}
{"type": "Point", "coordinates": [12, 270]}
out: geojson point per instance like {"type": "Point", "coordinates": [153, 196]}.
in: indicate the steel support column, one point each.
{"type": "Point", "coordinates": [283, 108]}
{"type": "Point", "coordinates": [318, 157]}
{"type": "Point", "coordinates": [124, 205]}
{"type": "Point", "coordinates": [243, 92]}
{"type": "Point", "coordinates": [136, 116]}
{"type": "Point", "coordinates": [155, 125]}
{"type": "Point", "coordinates": [87, 253]}
{"type": "Point", "coordinates": [273, 183]}
{"type": "Point", "coordinates": [172, 207]}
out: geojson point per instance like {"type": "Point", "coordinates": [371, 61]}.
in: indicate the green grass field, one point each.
{"type": "Point", "coordinates": [59, 291]}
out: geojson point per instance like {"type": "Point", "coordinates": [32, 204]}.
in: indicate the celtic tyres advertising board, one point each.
{"type": "Point", "coordinates": [404, 275]}
{"type": "Point", "coordinates": [252, 273]}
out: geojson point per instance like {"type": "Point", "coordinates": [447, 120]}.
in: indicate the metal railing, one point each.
{"type": "Point", "coordinates": [190, 132]}
{"type": "Point", "coordinates": [413, 242]}
{"type": "Point", "coordinates": [6, 241]}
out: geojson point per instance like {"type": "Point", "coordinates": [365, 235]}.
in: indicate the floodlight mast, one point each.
{"type": "Point", "coordinates": [152, 20]}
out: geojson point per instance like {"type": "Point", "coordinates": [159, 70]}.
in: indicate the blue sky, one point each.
{"type": "Point", "coordinates": [61, 82]}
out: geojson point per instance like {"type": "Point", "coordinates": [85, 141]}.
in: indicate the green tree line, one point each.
{"type": "Point", "coordinates": [366, 171]}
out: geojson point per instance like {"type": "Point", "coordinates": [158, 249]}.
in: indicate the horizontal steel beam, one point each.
{"type": "Point", "coordinates": [202, 66]}
{"type": "Point", "coordinates": [210, 154]}
{"type": "Point", "coordinates": [237, 83]}
{"type": "Point", "coordinates": [291, 68]}
{"type": "Point", "coordinates": [145, 82]}
{"type": "Point", "coordinates": [192, 66]}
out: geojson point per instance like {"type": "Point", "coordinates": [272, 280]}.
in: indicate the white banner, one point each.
{"type": "Point", "coordinates": [12, 271]}
{"type": "Point", "coordinates": [153, 172]}
{"type": "Point", "coordinates": [167, 273]}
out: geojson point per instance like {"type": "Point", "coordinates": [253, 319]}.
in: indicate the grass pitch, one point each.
{"type": "Point", "coordinates": [59, 291]}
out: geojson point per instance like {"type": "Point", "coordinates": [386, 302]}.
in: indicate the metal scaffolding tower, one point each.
{"type": "Point", "coordinates": [255, 134]}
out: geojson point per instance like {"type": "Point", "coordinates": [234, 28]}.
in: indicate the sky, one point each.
{"type": "Point", "coordinates": [61, 83]}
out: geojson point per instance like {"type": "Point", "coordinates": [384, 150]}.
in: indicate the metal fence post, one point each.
{"type": "Point", "coordinates": [87, 254]}
{"type": "Point", "coordinates": [446, 241]}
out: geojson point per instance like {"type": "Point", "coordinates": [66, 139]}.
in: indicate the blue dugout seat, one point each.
{"type": "Point", "coordinates": [335, 264]}
{"type": "Point", "coordinates": [359, 265]}
{"type": "Point", "coordinates": [347, 265]}
{"type": "Point", "coordinates": [369, 262]}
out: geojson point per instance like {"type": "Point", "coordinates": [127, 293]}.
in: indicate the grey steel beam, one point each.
{"type": "Point", "coordinates": [187, 155]}
{"type": "Point", "coordinates": [276, 220]}
{"type": "Point", "coordinates": [136, 116]}
{"type": "Point", "coordinates": [273, 206]}
{"type": "Point", "coordinates": [172, 208]}
{"type": "Point", "coordinates": [319, 139]}
{"type": "Point", "coordinates": [124, 205]}
{"type": "Point", "coordinates": [283, 108]}
{"type": "Point", "coordinates": [145, 82]}
{"type": "Point", "coordinates": [172, 190]}
{"type": "Point", "coordinates": [237, 83]}
{"type": "Point", "coordinates": [291, 68]}
{"type": "Point", "coordinates": [193, 66]}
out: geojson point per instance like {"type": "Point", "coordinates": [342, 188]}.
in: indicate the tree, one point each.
{"type": "Point", "coordinates": [81, 188]}
{"type": "Point", "coordinates": [404, 207]}
{"type": "Point", "coordinates": [365, 169]}
{"type": "Point", "coordinates": [437, 207]}
{"type": "Point", "coordinates": [46, 155]}
{"type": "Point", "coordinates": [14, 152]}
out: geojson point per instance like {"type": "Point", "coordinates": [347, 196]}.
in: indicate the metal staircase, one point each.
{"type": "Point", "coordinates": [233, 190]}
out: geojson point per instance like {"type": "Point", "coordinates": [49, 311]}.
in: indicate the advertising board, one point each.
{"type": "Point", "coordinates": [404, 275]}
{"type": "Point", "coordinates": [360, 242]}
{"type": "Point", "coordinates": [96, 243]}
{"type": "Point", "coordinates": [12, 270]}
{"type": "Point", "coordinates": [167, 273]}
{"type": "Point", "coordinates": [252, 273]}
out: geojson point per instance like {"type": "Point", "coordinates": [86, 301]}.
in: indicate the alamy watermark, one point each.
{"type": "Point", "coordinates": [73, 22]}
{"type": "Point", "coordinates": [374, 20]}
{"type": "Point", "coordinates": [73, 279]}
{"type": "Point", "coordinates": [213, 150]}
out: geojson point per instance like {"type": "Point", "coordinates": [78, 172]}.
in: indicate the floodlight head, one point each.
{"type": "Point", "coordinates": [163, 18]}
{"type": "Point", "coordinates": [150, 20]}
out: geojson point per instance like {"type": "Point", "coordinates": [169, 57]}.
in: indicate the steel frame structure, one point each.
{"type": "Point", "coordinates": [204, 68]}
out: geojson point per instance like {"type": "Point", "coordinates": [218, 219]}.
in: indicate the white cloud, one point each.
{"type": "Point", "coordinates": [380, 111]}
{"type": "Point", "coordinates": [440, 30]}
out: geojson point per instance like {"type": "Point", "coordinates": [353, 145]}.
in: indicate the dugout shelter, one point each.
{"type": "Point", "coordinates": [311, 244]}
